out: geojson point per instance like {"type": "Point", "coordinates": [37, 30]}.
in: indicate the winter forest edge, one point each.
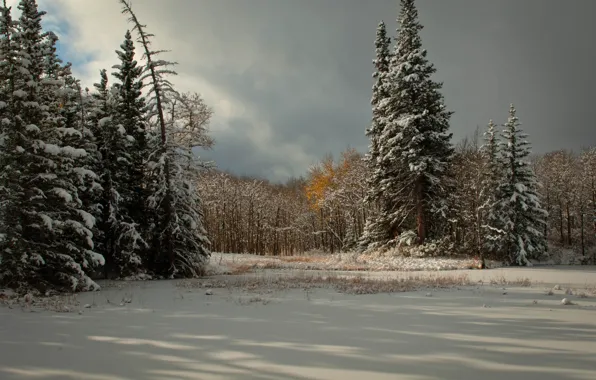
{"type": "Point", "coordinates": [106, 182]}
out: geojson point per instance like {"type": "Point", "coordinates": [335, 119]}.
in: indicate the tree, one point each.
{"type": "Point", "coordinates": [48, 235]}
{"type": "Point", "coordinates": [122, 243]}
{"type": "Point", "coordinates": [464, 215]}
{"type": "Point", "coordinates": [172, 200]}
{"type": "Point", "coordinates": [414, 148]}
{"type": "Point", "coordinates": [8, 172]}
{"type": "Point", "coordinates": [490, 182]}
{"type": "Point", "coordinates": [130, 111]}
{"type": "Point", "coordinates": [520, 214]}
{"type": "Point", "coordinates": [377, 231]}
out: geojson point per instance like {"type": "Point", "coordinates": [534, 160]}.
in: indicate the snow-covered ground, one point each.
{"type": "Point", "coordinates": [162, 330]}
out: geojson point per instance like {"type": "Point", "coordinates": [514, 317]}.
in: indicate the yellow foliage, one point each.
{"type": "Point", "coordinates": [325, 176]}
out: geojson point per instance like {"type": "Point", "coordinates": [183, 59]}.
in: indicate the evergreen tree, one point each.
{"type": "Point", "coordinates": [49, 242]}
{"type": "Point", "coordinates": [488, 193]}
{"type": "Point", "coordinates": [122, 244]}
{"type": "Point", "coordinates": [179, 244]}
{"type": "Point", "coordinates": [414, 148]}
{"type": "Point", "coordinates": [520, 215]}
{"type": "Point", "coordinates": [377, 231]}
{"type": "Point", "coordinates": [131, 110]}
{"type": "Point", "coordinates": [8, 58]}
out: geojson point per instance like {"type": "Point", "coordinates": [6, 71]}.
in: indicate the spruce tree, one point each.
{"type": "Point", "coordinates": [122, 243]}
{"type": "Point", "coordinates": [377, 231]}
{"type": "Point", "coordinates": [131, 113]}
{"type": "Point", "coordinates": [49, 241]}
{"type": "Point", "coordinates": [520, 214]}
{"type": "Point", "coordinates": [488, 193]}
{"type": "Point", "coordinates": [8, 192]}
{"type": "Point", "coordinates": [414, 148]}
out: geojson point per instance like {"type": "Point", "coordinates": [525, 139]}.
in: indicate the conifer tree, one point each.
{"type": "Point", "coordinates": [7, 171]}
{"type": "Point", "coordinates": [179, 244]}
{"type": "Point", "coordinates": [377, 231]}
{"type": "Point", "coordinates": [488, 194]}
{"type": "Point", "coordinates": [122, 243]}
{"type": "Point", "coordinates": [414, 148]}
{"type": "Point", "coordinates": [88, 178]}
{"type": "Point", "coordinates": [49, 241]}
{"type": "Point", "coordinates": [521, 216]}
{"type": "Point", "coordinates": [131, 113]}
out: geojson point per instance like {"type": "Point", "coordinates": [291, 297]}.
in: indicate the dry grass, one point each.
{"type": "Point", "coordinates": [350, 285]}
{"type": "Point", "coordinates": [59, 303]}
{"type": "Point", "coordinates": [503, 281]}
{"type": "Point", "coordinates": [238, 269]}
{"type": "Point", "coordinates": [304, 259]}
{"type": "Point", "coordinates": [349, 262]}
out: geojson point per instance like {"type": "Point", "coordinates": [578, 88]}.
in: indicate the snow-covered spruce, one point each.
{"type": "Point", "coordinates": [121, 243]}
{"type": "Point", "coordinates": [377, 230]}
{"type": "Point", "coordinates": [491, 178]}
{"type": "Point", "coordinates": [48, 242]}
{"type": "Point", "coordinates": [519, 214]}
{"type": "Point", "coordinates": [131, 111]}
{"type": "Point", "coordinates": [414, 147]}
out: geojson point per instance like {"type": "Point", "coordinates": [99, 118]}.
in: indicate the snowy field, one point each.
{"type": "Point", "coordinates": [217, 328]}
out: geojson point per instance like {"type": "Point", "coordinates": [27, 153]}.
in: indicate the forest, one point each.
{"type": "Point", "coordinates": [108, 182]}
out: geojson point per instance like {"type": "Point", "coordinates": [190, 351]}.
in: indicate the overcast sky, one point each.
{"type": "Point", "coordinates": [290, 80]}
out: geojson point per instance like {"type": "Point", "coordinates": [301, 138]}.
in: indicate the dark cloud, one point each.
{"type": "Point", "coordinates": [302, 69]}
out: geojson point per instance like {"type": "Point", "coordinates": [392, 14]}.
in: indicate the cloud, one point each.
{"type": "Point", "coordinates": [290, 81]}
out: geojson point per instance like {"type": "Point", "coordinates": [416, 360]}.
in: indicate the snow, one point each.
{"type": "Point", "coordinates": [69, 132]}
{"type": "Point", "coordinates": [51, 149]}
{"type": "Point", "coordinates": [62, 193]}
{"type": "Point", "coordinates": [20, 94]}
{"type": "Point", "coordinates": [88, 219]}
{"type": "Point", "coordinates": [74, 152]}
{"type": "Point", "coordinates": [83, 172]}
{"type": "Point", "coordinates": [104, 121]}
{"type": "Point", "coordinates": [32, 128]}
{"type": "Point", "coordinates": [156, 330]}
{"type": "Point", "coordinates": [47, 221]}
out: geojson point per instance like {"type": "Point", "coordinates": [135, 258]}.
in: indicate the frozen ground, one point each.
{"type": "Point", "coordinates": [160, 330]}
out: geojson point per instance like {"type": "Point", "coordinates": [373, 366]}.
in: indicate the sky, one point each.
{"type": "Point", "coordinates": [290, 80]}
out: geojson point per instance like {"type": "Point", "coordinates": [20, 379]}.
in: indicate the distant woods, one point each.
{"type": "Point", "coordinates": [325, 211]}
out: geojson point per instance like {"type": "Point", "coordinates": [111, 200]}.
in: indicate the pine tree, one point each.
{"type": "Point", "coordinates": [488, 194]}
{"type": "Point", "coordinates": [521, 217]}
{"type": "Point", "coordinates": [75, 107]}
{"type": "Point", "coordinates": [7, 173]}
{"type": "Point", "coordinates": [414, 149]}
{"type": "Point", "coordinates": [377, 230]}
{"type": "Point", "coordinates": [131, 111]}
{"type": "Point", "coordinates": [122, 243]}
{"type": "Point", "coordinates": [49, 242]}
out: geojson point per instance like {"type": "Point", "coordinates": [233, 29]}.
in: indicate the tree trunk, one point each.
{"type": "Point", "coordinates": [568, 224]}
{"type": "Point", "coordinates": [420, 220]}
{"type": "Point", "coordinates": [582, 232]}
{"type": "Point", "coordinates": [561, 223]}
